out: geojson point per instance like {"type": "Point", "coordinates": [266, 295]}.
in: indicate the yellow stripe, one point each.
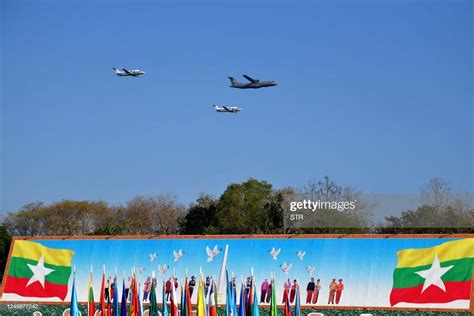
{"type": "Point", "coordinates": [451, 250]}
{"type": "Point", "coordinates": [34, 251]}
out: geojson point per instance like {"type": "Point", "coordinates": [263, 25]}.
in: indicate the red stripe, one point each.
{"type": "Point", "coordinates": [433, 294]}
{"type": "Point", "coordinates": [18, 286]}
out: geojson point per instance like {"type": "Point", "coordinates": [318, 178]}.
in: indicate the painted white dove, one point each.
{"type": "Point", "coordinates": [310, 270]}
{"type": "Point", "coordinates": [153, 256]}
{"type": "Point", "coordinates": [163, 268]}
{"type": "Point", "coordinates": [274, 253]}
{"type": "Point", "coordinates": [178, 254]}
{"type": "Point", "coordinates": [212, 253]}
{"type": "Point", "coordinates": [285, 267]}
{"type": "Point", "coordinates": [300, 254]}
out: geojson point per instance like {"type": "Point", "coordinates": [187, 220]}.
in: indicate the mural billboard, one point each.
{"type": "Point", "coordinates": [352, 271]}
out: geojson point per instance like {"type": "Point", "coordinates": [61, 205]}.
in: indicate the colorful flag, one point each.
{"type": "Point", "coordinates": [183, 302]}
{"type": "Point", "coordinates": [297, 301]}
{"type": "Point", "coordinates": [90, 301]}
{"type": "Point", "coordinates": [173, 300]}
{"type": "Point", "coordinates": [242, 300]}
{"type": "Point", "coordinates": [38, 271]}
{"type": "Point", "coordinates": [201, 306]}
{"type": "Point", "coordinates": [123, 306]}
{"type": "Point", "coordinates": [153, 304]}
{"type": "Point", "coordinates": [255, 310]}
{"type": "Point", "coordinates": [230, 308]}
{"type": "Point", "coordinates": [187, 299]}
{"type": "Point", "coordinates": [134, 302]}
{"type": "Point", "coordinates": [164, 306]}
{"type": "Point", "coordinates": [74, 307]}
{"type": "Point", "coordinates": [109, 305]}
{"type": "Point", "coordinates": [116, 300]}
{"type": "Point", "coordinates": [250, 298]}
{"type": "Point", "coordinates": [287, 310]}
{"type": "Point", "coordinates": [440, 274]}
{"type": "Point", "coordinates": [140, 302]}
{"type": "Point", "coordinates": [212, 309]}
{"type": "Point", "coordinates": [102, 292]}
{"type": "Point", "coordinates": [273, 301]}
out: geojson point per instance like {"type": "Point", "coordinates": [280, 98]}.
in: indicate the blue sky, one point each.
{"type": "Point", "coordinates": [377, 95]}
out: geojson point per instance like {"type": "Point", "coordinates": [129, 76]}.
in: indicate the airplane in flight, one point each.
{"type": "Point", "coordinates": [254, 83]}
{"type": "Point", "coordinates": [227, 109]}
{"type": "Point", "coordinates": [124, 72]}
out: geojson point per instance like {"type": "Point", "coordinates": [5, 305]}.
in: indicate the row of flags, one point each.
{"type": "Point", "coordinates": [206, 302]}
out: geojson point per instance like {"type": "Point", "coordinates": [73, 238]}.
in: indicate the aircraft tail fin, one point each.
{"type": "Point", "coordinates": [233, 82]}
{"type": "Point", "coordinates": [116, 70]}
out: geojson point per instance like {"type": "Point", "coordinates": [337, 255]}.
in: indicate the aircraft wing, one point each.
{"type": "Point", "coordinates": [250, 79]}
{"type": "Point", "coordinates": [126, 71]}
{"type": "Point", "coordinates": [226, 108]}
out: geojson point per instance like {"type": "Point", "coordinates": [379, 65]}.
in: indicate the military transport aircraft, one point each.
{"type": "Point", "coordinates": [254, 83]}
{"type": "Point", "coordinates": [227, 109]}
{"type": "Point", "coordinates": [124, 72]}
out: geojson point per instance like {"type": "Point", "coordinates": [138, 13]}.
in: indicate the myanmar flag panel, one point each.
{"type": "Point", "coordinates": [38, 271]}
{"type": "Point", "coordinates": [440, 274]}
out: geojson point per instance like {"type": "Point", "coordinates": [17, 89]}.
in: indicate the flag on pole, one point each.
{"type": "Point", "coordinates": [116, 300]}
{"type": "Point", "coordinates": [250, 298]}
{"type": "Point", "coordinates": [182, 301]}
{"type": "Point", "coordinates": [123, 307]}
{"type": "Point", "coordinates": [242, 300]}
{"type": "Point", "coordinates": [164, 306]}
{"type": "Point", "coordinates": [201, 306]}
{"type": "Point", "coordinates": [187, 298]}
{"type": "Point", "coordinates": [134, 310]}
{"type": "Point", "coordinates": [109, 305]}
{"type": "Point", "coordinates": [140, 303]}
{"type": "Point", "coordinates": [90, 304]}
{"type": "Point", "coordinates": [102, 292]}
{"type": "Point", "coordinates": [74, 308]}
{"type": "Point", "coordinates": [287, 310]}
{"type": "Point", "coordinates": [255, 310]}
{"type": "Point", "coordinates": [153, 304]}
{"type": "Point", "coordinates": [297, 301]}
{"type": "Point", "coordinates": [230, 308]}
{"type": "Point", "coordinates": [212, 309]}
{"type": "Point", "coordinates": [273, 302]}
{"type": "Point", "coordinates": [173, 299]}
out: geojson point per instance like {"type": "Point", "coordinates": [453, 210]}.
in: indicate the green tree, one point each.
{"type": "Point", "coordinates": [200, 216]}
{"type": "Point", "coordinates": [244, 208]}
{"type": "Point", "coordinates": [5, 241]}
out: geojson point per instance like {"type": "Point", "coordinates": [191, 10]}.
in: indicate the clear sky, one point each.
{"type": "Point", "coordinates": [374, 94]}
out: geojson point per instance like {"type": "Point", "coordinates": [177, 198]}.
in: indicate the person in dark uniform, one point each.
{"type": "Point", "coordinates": [310, 291]}
{"type": "Point", "coordinates": [192, 284]}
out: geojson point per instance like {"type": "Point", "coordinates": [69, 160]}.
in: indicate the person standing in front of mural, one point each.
{"type": "Point", "coordinates": [286, 290]}
{"type": "Point", "coordinates": [317, 287]}
{"type": "Point", "coordinates": [310, 291]}
{"type": "Point", "coordinates": [339, 288]}
{"type": "Point", "coordinates": [192, 284]}
{"type": "Point", "coordinates": [234, 288]}
{"type": "Point", "coordinates": [293, 291]}
{"type": "Point", "coordinates": [168, 288]}
{"type": "Point", "coordinates": [146, 289]}
{"type": "Point", "coordinates": [269, 292]}
{"type": "Point", "coordinates": [332, 291]}
{"type": "Point", "coordinates": [263, 292]}
{"type": "Point", "coordinates": [206, 285]}
{"type": "Point", "coordinates": [128, 284]}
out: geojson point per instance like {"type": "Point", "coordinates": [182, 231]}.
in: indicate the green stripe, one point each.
{"type": "Point", "coordinates": [19, 269]}
{"type": "Point", "coordinates": [406, 277]}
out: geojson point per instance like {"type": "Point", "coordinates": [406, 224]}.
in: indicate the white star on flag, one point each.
{"type": "Point", "coordinates": [433, 275]}
{"type": "Point", "coordinates": [39, 272]}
